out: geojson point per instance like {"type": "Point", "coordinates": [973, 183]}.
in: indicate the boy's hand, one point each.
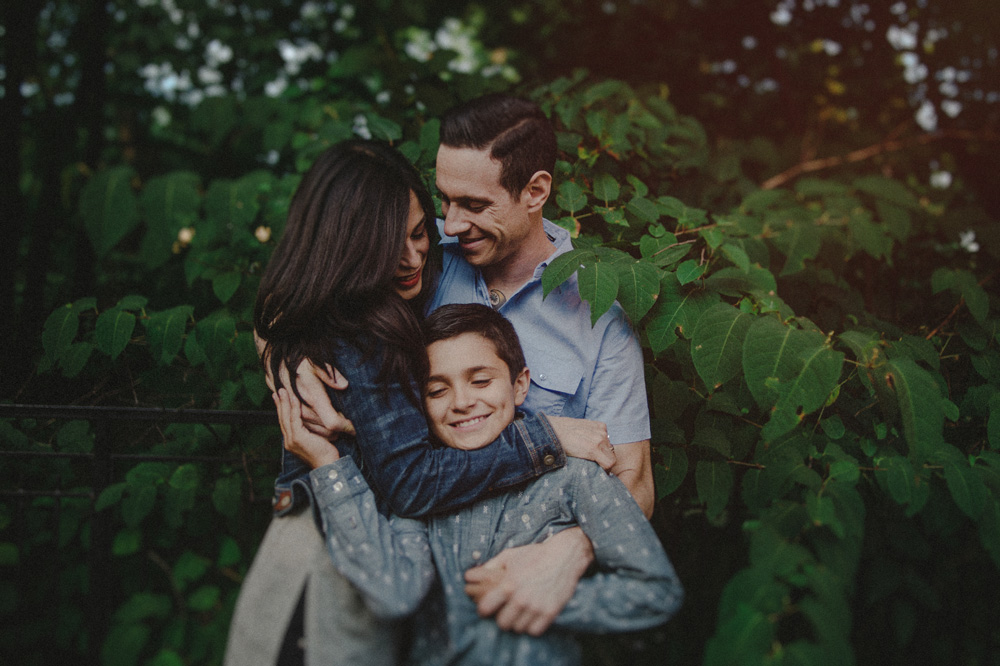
{"type": "Point", "coordinates": [312, 448]}
{"type": "Point", "coordinates": [582, 438]}
{"type": "Point", "coordinates": [527, 587]}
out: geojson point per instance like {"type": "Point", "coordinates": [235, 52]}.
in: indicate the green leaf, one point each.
{"type": "Point", "coordinates": [669, 474]}
{"type": "Point", "coordinates": [138, 504]}
{"type": "Point", "coordinates": [143, 605]}
{"type": "Point", "coordinates": [641, 189]}
{"type": "Point", "coordinates": [562, 267]}
{"type": "Point", "coordinates": [920, 405]}
{"type": "Point", "coordinates": [204, 598]}
{"type": "Point", "coordinates": [638, 287]}
{"type": "Point", "coordinates": [224, 285]}
{"type": "Point", "coordinates": [109, 207]}
{"type": "Point", "coordinates": [168, 204]}
{"type": "Point", "coordinates": [226, 495]}
{"type": "Point", "coordinates": [606, 188]}
{"type": "Point", "coordinates": [124, 643]}
{"type": "Point", "coordinates": [689, 271]}
{"type": "Point", "coordinates": [889, 190]}
{"type": "Point", "coordinates": [229, 553]}
{"type": "Point", "coordinates": [644, 209]}
{"type": "Point", "coordinates": [132, 302]}
{"type": "Point", "coordinates": [598, 283]}
{"type": "Point", "coordinates": [185, 477]}
{"type": "Point", "coordinates": [127, 542]}
{"type": "Point", "coordinates": [714, 482]}
{"type": "Point", "coordinates": [75, 358]}
{"type": "Point", "coordinates": [737, 255]}
{"type": "Point", "coordinates": [109, 496]}
{"type": "Point", "coordinates": [872, 237]}
{"type": "Point", "coordinates": [966, 488]}
{"type": "Point", "coordinates": [113, 331]}
{"type": "Point", "coordinates": [383, 128]}
{"type": "Point", "coordinates": [800, 243]}
{"type": "Point", "coordinates": [745, 638]}
{"type": "Point", "coordinates": [674, 311]}
{"type": "Point", "coordinates": [165, 332]}
{"type": "Point", "coordinates": [571, 197]}
{"type": "Point", "coordinates": [9, 555]}
{"type": "Point", "coordinates": [717, 344]}
{"type": "Point", "coordinates": [60, 330]}
{"type": "Point", "coordinates": [663, 250]}
{"type": "Point", "coordinates": [190, 568]}
{"type": "Point", "coordinates": [817, 376]}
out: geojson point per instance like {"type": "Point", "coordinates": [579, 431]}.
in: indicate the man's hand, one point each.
{"type": "Point", "coordinates": [312, 448]}
{"type": "Point", "coordinates": [582, 438]}
{"type": "Point", "coordinates": [527, 587]}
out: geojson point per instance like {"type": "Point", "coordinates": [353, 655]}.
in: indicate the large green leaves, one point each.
{"type": "Point", "coordinates": [790, 369]}
{"type": "Point", "coordinates": [921, 405]}
{"type": "Point", "coordinates": [717, 344]}
{"type": "Point", "coordinates": [109, 207]}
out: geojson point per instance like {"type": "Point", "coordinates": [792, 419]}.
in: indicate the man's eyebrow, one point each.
{"type": "Point", "coordinates": [465, 201]}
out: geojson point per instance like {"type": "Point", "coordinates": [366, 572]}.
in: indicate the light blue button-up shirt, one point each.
{"type": "Point", "coordinates": [577, 370]}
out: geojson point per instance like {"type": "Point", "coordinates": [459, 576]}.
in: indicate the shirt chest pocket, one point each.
{"type": "Point", "coordinates": [554, 380]}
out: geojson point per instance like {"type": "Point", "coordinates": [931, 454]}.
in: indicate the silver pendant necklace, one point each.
{"type": "Point", "coordinates": [497, 298]}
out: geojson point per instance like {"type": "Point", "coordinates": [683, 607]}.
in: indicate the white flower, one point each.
{"type": "Point", "coordinates": [951, 107]}
{"type": "Point", "coordinates": [967, 239]}
{"type": "Point", "coordinates": [941, 180]}
{"type": "Point", "coordinates": [926, 116]}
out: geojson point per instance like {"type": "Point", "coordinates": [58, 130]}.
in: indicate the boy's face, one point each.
{"type": "Point", "coordinates": [469, 396]}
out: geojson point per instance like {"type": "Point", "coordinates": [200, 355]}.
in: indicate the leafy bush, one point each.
{"type": "Point", "coordinates": [823, 371]}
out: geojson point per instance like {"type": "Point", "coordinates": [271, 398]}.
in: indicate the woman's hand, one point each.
{"type": "Point", "coordinates": [318, 414]}
{"type": "Point", "coordinates": [582, 438]}
{"type": "Point", "coordinates": [315, 449]}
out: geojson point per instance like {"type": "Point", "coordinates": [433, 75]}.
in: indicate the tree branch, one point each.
{"type": "Point", "coordinates": [887, 146]}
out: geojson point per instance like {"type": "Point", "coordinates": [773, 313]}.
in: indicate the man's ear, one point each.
{"type": "Point", "coordinates": [521, 385]}
{"type": "Point", "coordinates": [537, 191]}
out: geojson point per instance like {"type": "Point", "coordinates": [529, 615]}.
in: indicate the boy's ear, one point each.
{"type": "Point", "coordinates": [521, 385]}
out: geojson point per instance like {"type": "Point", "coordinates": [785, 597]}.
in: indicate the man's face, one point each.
{"type": "Point", "coordinates": [490, 224]}
{"type": "Point", "coordinates": [469, 396]}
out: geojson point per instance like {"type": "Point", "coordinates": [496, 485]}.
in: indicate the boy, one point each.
{"type": "Point", "coordinates": [476, 380]}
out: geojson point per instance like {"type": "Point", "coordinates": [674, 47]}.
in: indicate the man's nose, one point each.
{"type": "Point", "coordinates": [454, 224]}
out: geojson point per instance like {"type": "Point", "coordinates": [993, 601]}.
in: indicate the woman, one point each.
{"type": "Point", "coordinates": [344, 289]}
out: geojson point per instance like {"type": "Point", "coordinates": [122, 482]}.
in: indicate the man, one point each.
{"type": "Point", "coordinates": [494, 173]}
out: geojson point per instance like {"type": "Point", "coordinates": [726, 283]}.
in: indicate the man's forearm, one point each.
{"type": "Point", "coordinates": [635, 469]}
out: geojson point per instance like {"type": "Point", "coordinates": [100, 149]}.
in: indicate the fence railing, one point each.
{"type": "Point", "coordinates": [103, 457]}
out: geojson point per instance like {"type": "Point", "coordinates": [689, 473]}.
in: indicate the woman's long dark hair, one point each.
{"type": "Point", "coordinates": [330, 276]}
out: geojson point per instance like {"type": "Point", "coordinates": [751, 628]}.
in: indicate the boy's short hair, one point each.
{"type": "Point", "coordinates": [451, 321]}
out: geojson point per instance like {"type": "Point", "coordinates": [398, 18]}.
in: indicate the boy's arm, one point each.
{"type": "Point", "coordinates": [635, 586]}
{"type": "Point", "coordinates": [387, 559]}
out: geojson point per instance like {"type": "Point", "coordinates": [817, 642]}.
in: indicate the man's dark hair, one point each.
{"type": "Point", "coordinates": [451, 321]}
{"type": "Point", "coordinates": [516, 132]}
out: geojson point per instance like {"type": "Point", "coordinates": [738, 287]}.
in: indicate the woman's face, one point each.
{"type": "Point", "coordinates": [409, 272]}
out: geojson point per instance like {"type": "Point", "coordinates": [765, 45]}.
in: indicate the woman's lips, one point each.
{"type": "Point", "coordinates": [410, 281]}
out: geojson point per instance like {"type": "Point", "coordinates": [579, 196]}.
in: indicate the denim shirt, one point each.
{"type": "Point", "coordinates": [409, 472]}
{"type": "Point", "coordinates": [392, 562]}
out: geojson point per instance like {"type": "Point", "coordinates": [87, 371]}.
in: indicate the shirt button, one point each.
{"type": "Point", "coordinates": [284, 501]}
{"type": "Point", "coordinates": [525, 518]}
{"type": "Point", "coordinates": [549, 460]}
{"type": "Point", "coordinates": [332, 474]}
{"type": "Point", "coordinates": [542, 377]}
{"type": "Point", "coordinates": [337, 487]}
{"type": "Point", "coordinates": [476, 554]}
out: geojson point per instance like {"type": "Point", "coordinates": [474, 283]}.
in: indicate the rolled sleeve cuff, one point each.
{"type": "Point", "coordinates": [542, 443]}
{"type": "Point", "coordinates": [337, 483]}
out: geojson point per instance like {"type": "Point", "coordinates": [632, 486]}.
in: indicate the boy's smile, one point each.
{"type": "Point", "coordinates": [469, 395]}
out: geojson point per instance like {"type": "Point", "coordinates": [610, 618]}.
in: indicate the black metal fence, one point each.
{"type": "Point", "coordinates": [102, 460]}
